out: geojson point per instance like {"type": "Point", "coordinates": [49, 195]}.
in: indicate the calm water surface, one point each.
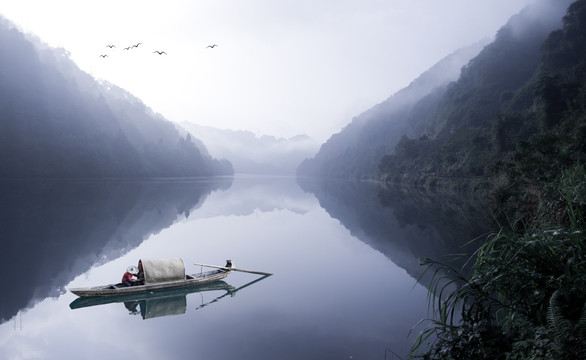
{"type": "Point", "coordinates": [344, 259]}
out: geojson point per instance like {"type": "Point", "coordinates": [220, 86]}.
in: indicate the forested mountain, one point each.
{"type": "Point", "coordinates": [512, 124]}
{"type": "Point", "coordinates": [57, 121]}
{"type": "Point", "coordinates": [252, 154]}
{"type": "Point", "coordinates": [356, 150]}
{"type": "Point", "coordinates": [432, 107]}
{"type": "Point", "coordinates": [516, 118]}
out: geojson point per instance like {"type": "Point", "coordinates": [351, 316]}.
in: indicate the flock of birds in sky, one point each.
{"type": "Point", "coordinates": [159, 52]}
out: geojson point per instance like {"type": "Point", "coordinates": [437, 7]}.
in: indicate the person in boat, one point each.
{"type": "Point", "coordinates": [130, 276]}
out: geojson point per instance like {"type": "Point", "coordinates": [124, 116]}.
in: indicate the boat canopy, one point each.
{"type": "Point", "coordinates": [162, 270]}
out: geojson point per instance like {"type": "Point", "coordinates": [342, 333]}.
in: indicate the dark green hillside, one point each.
{"type": "Point", "coordinates": [545, 166]}
{"type": "Point", "coordinates": [526, 297]}
{"type": "Point", "coordinates": [57, 121]}
{"type": "Point", "coordinates": [514, 120]}
{"type": "Point", "coordinates": [355, 151]}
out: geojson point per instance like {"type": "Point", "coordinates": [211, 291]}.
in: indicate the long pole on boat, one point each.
{"type": "Point", "coordinates": [235, 269]}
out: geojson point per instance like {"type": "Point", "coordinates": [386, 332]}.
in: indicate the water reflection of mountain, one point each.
{"type": "Point", "coordinates": [404, 224]}
{"type": "Point", "coordinates": [51, 231]}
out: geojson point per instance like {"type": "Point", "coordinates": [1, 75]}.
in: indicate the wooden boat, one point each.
{"type": "Point", "coordinates": [159, 274]}
{"type": "Point", "coordinates": [166, 302]}
{"type": "Point", "coordinates": [150, 296]}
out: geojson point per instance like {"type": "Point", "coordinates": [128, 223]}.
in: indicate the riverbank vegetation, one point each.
{"type": "Point", "coordinates": [525, 298]}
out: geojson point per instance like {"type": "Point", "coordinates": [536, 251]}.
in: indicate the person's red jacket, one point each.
{"type": "Point", "coordinates": [128, 277]}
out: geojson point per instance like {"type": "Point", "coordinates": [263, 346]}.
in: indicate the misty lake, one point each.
{"type": "Point", "coordinates": [344, 257]}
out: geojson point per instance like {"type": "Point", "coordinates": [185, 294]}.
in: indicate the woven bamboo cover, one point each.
{"type": "Point", "coordinates": [162, 270]}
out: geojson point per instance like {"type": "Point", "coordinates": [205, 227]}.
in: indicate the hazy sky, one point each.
{"type": "Point", "coordinates": [281, 67]}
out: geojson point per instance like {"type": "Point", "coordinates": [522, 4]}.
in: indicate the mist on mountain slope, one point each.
{"type": "Point", "coordinates": [253, 154]}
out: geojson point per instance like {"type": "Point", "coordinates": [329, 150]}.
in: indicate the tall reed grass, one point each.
{"type": "Point", "coordinates": [525, 297]}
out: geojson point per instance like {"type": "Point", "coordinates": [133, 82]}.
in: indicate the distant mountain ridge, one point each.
{"type": "Point", "coordinates": [59, 122]}
{"type": "Point", "coordinates": [252, 154]}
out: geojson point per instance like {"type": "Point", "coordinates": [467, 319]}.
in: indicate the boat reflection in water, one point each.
{"type": "Point", "coordinates": [164, 302]}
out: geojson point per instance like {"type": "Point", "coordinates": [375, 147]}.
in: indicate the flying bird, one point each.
{"type": "Point", "coordinates": [159, 52]}
{"type": "Point", "coordinates": [136, 45]}
{"type": "Point", "coordinates": [212, 46]}
{"type": "Point", "coordinates": [127, 48]}
{"type": "Point", "coordinates": [110, 46]}
{"type": "Point", "coordinates": [104, 55]}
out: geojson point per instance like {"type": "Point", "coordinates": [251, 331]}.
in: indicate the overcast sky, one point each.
{"type": "Point", "coordinates": [281, 67]}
